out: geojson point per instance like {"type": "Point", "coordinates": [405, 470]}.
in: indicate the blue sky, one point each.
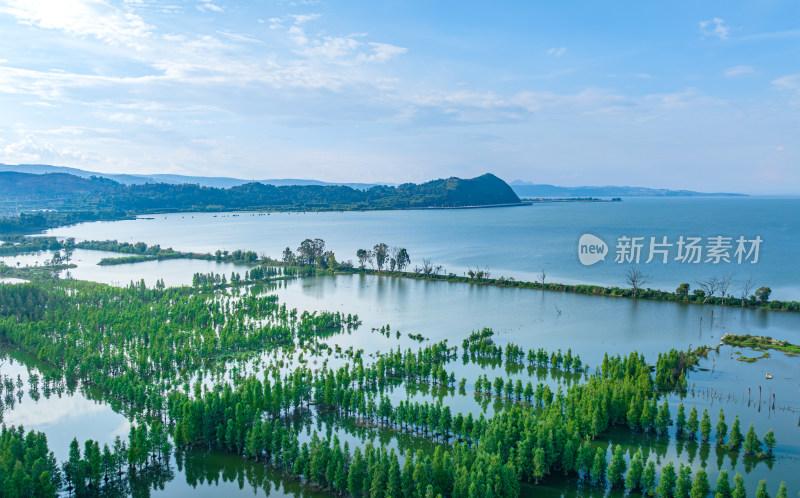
{"type": "Point", "coordinates": [698, 95]}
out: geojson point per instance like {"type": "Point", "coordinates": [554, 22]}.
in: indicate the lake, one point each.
{"type": "Point", "coordinates": [514, 242]}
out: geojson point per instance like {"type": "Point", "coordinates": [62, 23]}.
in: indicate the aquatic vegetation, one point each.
{"type": "Point", "coordinates": [177, 358]}
{"type": "Point", "coordinates": [759, 343]}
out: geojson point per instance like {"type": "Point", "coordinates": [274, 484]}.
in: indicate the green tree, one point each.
{"type": "Point", "coordinates": [705, 426]}
{"type": "Point", "coordinates": [73, 468]}
{"type": "Point", "coordinates": [357, 474]}
{"type": "Point", "coordinates": [649, 478]}
{"type": "Point", "coordinates": [666, 485]}
{"type": "Point", "coordinates": [381, 253]}
{"type": "Point", "coordinates": [735, 439]}
{"type": "Point", "coordinates": [401, 258]}
{"type": "Point", "coordinates": [761, 490]}
{"type": "Point", "coordinates": [770, 442]}
{"type": "Point", "coordinates": [692, 424]}
{"type": "Point", "coordinates": [762, 294]}
{"type": "Point", "coordinates": [616, 469]}
{"type": "Point", "coordinates": [598, 471]}
{"type": "Point", "coordinates": [751, 443]}
{"type": "Point", "coordinates": [684, 484]}
{"type": "Point", "coordinates": [633, 480]}
{"type": "Point", "coordinates": [738, 486]}
{"type": "Point", "coordinates": [782, 490]}
{"type": "Point", "coordinates": [722, 428]}
{"type": "Point", "coordinates": [680, 420]}
{"type": "Point", "coordinates": [700, 487]}
{"type": "Point", "coordinates": [364, 257]}
{"type": "Point", "coordinates": [723, 489]}
{"type": "Point", "coordinates": [662, 419]}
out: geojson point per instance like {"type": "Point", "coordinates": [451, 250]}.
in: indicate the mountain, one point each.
{"type": "Point", "coordinates": [205, 181]}
{"type": "Point", "coordinates": [54, 199]}
{"type": "Point", "coordinates": [160, 197]}
{"type": "Point", "coordinates": [23, 185]}
{"type": "Point", "coordinates": [528, 189]}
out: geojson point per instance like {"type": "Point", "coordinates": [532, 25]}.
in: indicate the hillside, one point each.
{"type": "Point", "coordinates": [22, 185]}
{"type": "Point", "coordinates": [73, 198]}
{"type": "Point", "coordinates": [451, 192]}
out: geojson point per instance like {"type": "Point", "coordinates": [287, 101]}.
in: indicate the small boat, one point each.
{"type": "Point", "coordinates": [769, 376]}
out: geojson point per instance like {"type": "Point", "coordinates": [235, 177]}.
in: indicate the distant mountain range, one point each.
{"type": "Point", "coordinates": [203, 181]}
{"type": "Point", "coordinates": [529, 189]}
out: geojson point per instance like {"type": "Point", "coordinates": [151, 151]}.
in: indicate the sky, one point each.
{"type": "Point", "coordinates": [701, 95]}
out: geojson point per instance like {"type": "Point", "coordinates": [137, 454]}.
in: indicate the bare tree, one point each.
{"type": "Point", "coordinates": [426, 269]}
{"type": "Point", "coordinates": [636, 279]}
{"type": "Point", "coordinates": [725, 283]}
{"type": "Point", "coordinates": [709, 286]}
{"type": "Point", "coordinates": [541, 276]}
{"type": "Point", "coordinates": [747, 287]}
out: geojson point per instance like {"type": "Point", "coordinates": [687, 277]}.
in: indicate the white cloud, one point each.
{"type": "Point", "coordinates": [382, 52]}
{"type": "Point", "coordinates": [209, 6]}
{"type": "Point", "coordinates": [239, 37]}
{"type": "Point", "coordinates": [94, 18]}
{"type": "Point", "coordinates": [735, 71]}
{"type": "Point", "coordinates": [345, 50]}
{"type": "Point", "coordinates": [789, 82]}
{"type": "Point", "coordinates": [128, 118]}
{"type": "Point", "coordinates": [557, 52]}
{"type": "Point", "coordinates": [304, 18]}
{"type": "Point", "coordinates": [714, 27]}
{"type": "Point", "coordinates": [689, 98]}
{"type": "Point", "coordinates": [30, 149]}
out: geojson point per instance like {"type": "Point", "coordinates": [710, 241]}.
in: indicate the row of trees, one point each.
{"type": "Point", "coordinates": [709, 287]}
{"type": "Point", "coordinates": [382, 256]}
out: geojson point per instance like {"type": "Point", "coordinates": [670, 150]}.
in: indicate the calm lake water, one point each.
{"type": "Point", "coordinates": [174, 272]}
{"type": "Point", "coordinates": [516, 242]}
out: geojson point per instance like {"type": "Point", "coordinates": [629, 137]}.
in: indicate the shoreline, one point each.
{"type": "Point", "coordinates": [251, 259]}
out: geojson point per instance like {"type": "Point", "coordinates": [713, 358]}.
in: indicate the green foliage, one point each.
{"type": "Point", "coordinates": [700, 486]}
{"type": "Point", "coordinates": [723, 489]}
{"type": "Point", "coordinates": [722, 428]}
{"type": "Point", "coordinates": [705, 426]}
{"type": "Point", "coordinates": [738, 487]}
{"type": "Point", "coordinates": [761, 490]}
{"type": "Point", "coordinates": [27, 466]}
{"type": "Point", "coordinates": [148, 347]}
